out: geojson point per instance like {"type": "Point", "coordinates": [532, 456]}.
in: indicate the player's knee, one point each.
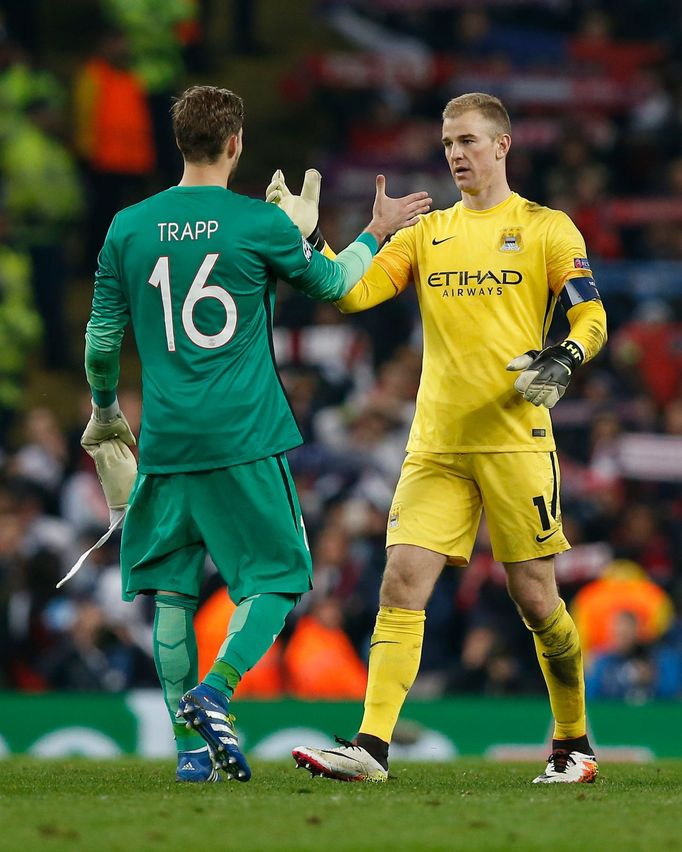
{"type": "Point", "coordinates": [534, 604]}
{"type": "Point", "coordinates": [532, 587]}
{"type": "Point", "coordinates": [395, 591]}
{"type": "Point", "coordinates": [399, 589]}
{"type": "Point", "coordinates": [410, 575]}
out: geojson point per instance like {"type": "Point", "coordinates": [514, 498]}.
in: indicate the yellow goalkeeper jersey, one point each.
{"type": "Point", "coordinates": [487, 283]}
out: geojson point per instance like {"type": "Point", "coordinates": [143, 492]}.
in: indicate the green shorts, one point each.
{"type": "Point", "coordinates": [247, 517]}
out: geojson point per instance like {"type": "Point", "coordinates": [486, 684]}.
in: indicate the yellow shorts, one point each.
{"type": "Point", "coordinates": [440, 497]}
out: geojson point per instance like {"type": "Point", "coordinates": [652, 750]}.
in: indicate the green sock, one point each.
{"type": "Point", "coordinates": [254, 626]}
{"type": "Point", "coordinates": [175, 655]}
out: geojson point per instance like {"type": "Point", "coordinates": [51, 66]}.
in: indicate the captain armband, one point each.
{"type": "Point", "coordinates": [577, 290]}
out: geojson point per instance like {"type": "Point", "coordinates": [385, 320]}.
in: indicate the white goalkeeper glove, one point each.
{"type": "Point", "coordinates": [105, 423]}
{"type": "Point", "coordinates": [117, 469]}
{"type": "Point", "coordinates": [546, 374]}
{"type": "Point", "coordinates": [106, 439]}
{"type": "Point", "coordinates": [303, 209]}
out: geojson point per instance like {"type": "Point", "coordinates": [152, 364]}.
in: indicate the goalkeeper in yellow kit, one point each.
{"type": "Point", "coordinates": [488, 273]}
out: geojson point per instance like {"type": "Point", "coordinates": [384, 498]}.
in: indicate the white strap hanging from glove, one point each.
{"type": "Point", "coordinates": [116, 522]}
{"type": "Point", "coordinates": [117, 469]}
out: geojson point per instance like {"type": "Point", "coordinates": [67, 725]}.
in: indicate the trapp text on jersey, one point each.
{"type": "Point", "coordinates": [171, 231]}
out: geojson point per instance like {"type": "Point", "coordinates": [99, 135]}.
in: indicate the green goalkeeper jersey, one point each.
{"type": "Point", "coordinates": [194, 269]}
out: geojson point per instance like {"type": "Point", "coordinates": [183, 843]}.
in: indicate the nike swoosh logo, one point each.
{"type": "Point", "coordinates": [541, 538]}
{"type": "Point", "coordinates": [435, 242]}
{"type": "Point", "coordinates": [331, 751]}
{"type": "Point", "coordinates": [383, 642]}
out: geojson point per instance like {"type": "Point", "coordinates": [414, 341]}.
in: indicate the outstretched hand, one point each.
{"type": "Point", "coordinates": [301, 209]}
{"type": "Point", "coordinates": [391, 214]}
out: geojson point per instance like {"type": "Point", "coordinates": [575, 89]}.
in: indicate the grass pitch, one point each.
{"type": "Point", "coordinates": [471, 804]}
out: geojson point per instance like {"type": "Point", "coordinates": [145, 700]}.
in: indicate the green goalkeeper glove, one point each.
{"type": "Point", "coordinates": [546, 374]}
{"type": "Point", "coordinates": [301, 209]}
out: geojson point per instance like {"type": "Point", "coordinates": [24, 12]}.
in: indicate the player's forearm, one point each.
{"type": "Point", "coordinates": [588, 326]}
{"type": "Point", "coordinates": [103, 338]}
{"type": "Point", "coordinates": [102, 372]}
{"type": "Point", "coordinates": [329, 280]}
{"type": "Point", "coordinates": [375, 287]}
{"type": "Point", "coordinates": [355, 260]}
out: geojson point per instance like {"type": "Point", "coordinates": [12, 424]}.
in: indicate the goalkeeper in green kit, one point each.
{"type": "Point", "coordinates": [194, 269]}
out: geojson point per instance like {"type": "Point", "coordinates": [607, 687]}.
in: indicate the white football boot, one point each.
{"type": "Point", "coordinates": [347, 762]}
{"type": "Point", "coordinates": [569, 767]}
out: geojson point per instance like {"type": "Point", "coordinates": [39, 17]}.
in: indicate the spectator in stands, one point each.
{"type": "Point", "coordinates": [370, 435]}
{"type": "Point", "coordinates": [154, 31]}
{"type": "Point", "coordinates": [44, 201]}
{"type": "Point", "coordinates": [594, 47]}
{"type": "Point", "coordinates": [25, 503]}
{"type": "Point", "coordinates": [320, 660]}
{"type": "Point", "coordinates": [335, 571]}
{"type": "Point", "coordinates": [478, 36]}
{"type": "Point", "coordinates": [639, 537]}
{"type": "Point", "coordinates": [20, 329]}
{"type": "Point", "coordinates": [22, 82]}
{"type": "Point", "coordinates": [603, 440]}
{"type": "Point", "coordinates": [113, 135]}
{"type": "Point", "coordinates": [32, 549]}
{"type": "Point", "coordinates": [91, 654]}
{"type": "Point", "coordinates": [389, 132]}
{"type": "Point", "coordinates": [623, 587]}
{"type": "Point", "coordinates": [591, 213]}
{"type": "Point", "coordinates": [487, 665]}
{"type": "Point", "coordinates": [335, 349]}
{"type": "Point", "coordinates": [648, 350]}
{"type": "Point", "coordinates": [632, 670]}
{"type": "Point", "coordinates": [42, 457]}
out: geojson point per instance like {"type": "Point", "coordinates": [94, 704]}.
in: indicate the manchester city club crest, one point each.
{"type": "Point", "coordinates": [510, 240]}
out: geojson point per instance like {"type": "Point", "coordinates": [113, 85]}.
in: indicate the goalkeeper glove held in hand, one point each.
{"type": "Point", "coordinates": [546, 374]}
{"type": "Point", "coordinates": [106, 423]}
{"type": "Point", "coordinates": [301, 209]}
{"type": "Point", "coordinates": [106, 439]}
{"type": "Point", "coordinates": [117, 469]}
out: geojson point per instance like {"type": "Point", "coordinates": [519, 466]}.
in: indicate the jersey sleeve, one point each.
{"type": "Point", "coordinates": [389, 274]}
{"type": "Point", "coordinates": [588, 326]}
{"type": "Point", "coordinates": [570, 278]}
{"type": "Point", "coordinates": [567, 263]}
{"type": "Point", "coordinates": [108, 318]}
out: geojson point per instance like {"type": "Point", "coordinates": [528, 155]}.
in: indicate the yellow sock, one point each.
{"type": "Point", "coordinates": [557, 645]}
{"type": "Point", "coordinates": [394, 656]}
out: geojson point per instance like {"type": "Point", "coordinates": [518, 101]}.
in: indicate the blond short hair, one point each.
{"type": "Point", "coordinates": [489, 106]}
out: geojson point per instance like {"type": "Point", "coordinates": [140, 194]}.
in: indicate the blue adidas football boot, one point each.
{"type": "Point", "coordinates": [196, 766]}
{"type": "Point", "coordinates": [204, 709]}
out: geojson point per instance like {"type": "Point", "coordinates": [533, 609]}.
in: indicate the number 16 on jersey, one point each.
{"type": "Point", "coordinates": [199, 290]}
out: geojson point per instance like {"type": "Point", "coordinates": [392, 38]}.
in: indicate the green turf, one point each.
{"type": "Point", "coordinates": [469, 805]}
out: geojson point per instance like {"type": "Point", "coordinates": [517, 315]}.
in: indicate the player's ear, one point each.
{"type": "Point", "coordinates": [503, 146]}
{"type": "Point", "coordinates": [234, 144]}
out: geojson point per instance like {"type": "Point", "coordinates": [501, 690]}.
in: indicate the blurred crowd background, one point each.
{"type": "Point", "coordinates": [594, 90]}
